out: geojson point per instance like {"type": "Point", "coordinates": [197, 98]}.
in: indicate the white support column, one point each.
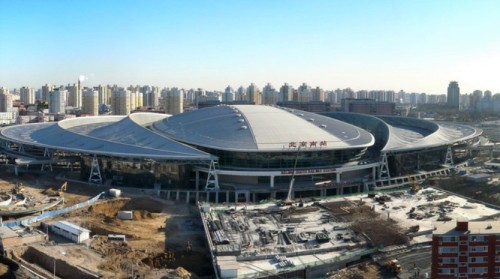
{"type": "Point", "coordinates": [212, 177]}
{"type": "Point", "coordinates": [95, 172]}
{"type": "Point", "coordinates": [449, 156]}
{"type": "Point", "coordinates": [337, 177]}
{"type": "Point", "coordinates": [271, 178]}
{"type": "Point", "coordinates": [384, 167]}
{"type": "Point", "coordinates": [46, 154]}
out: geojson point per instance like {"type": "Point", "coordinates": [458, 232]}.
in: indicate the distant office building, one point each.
{"type": "Point", "coordinates": [368, 106]}
{"type": "Point", "coordinates": [45, 91]}
{"type": "Point", "coordinates": [286, 93]}
{"type": "Point", "coordinates": [466, 250]}
{"type": "Point", "coordinates": [90, 104]}
{"type": "Point", "coordinates": [228, 95]}
{"type": "Point", "coordinates": [27, 95]}
{"type": "Point", "coordinates": [269, 95]}
{"type": "Point", "coordinates": [453, 96]}
{"type": "Point", "coordinates": [57, 100]}
{"type": "Point", "coordinates": [253, 94]}
{"type": "Point", "coordinates": [6, 102]}
{"type": "Point", "coordinates": [174, 101]}
{"type": "Point", "coordinates": [120, 101]}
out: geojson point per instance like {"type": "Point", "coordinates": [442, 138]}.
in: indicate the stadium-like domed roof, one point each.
{"type": "Point", "coordinates": [120, 136]}
{"type": "Point", "coordinates": [261, 128]}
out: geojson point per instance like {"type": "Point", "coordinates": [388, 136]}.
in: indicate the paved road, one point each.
{"type": "Point", "coordinates": [415, 264]}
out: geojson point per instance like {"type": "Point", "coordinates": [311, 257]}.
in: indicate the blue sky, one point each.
{"type": "Point", "coordinates": [416, 46]}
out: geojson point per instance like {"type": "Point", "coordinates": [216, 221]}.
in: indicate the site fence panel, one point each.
{"type": "Point", "coordinates": [52, 213]}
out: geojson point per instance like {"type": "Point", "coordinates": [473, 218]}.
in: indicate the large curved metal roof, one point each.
{"type": "Point", "coordinates": [105, 135]}
{"type": "Point", "coordinates": [261, 128]}
{"type": "Point", "coordinates": [406, 134]}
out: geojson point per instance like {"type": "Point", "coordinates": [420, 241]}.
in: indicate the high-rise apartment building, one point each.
{"type": "Point", "coordinates": [453, 96]}
{"type": "Point", "coordinates": [174, 101]}
{"type": "Point", "coordinates": [6, 100]}
{"type": "Point", "coordinates": [27, 95]}
{"type": "Point", "coordinates": [466, 250]}
{"type": "Point", "coordinates": [286, 93]}
{"type": "Point", "coordinates": [253, 94]}
{"type": "Point", "coordinates": [45, 91]}
{"type": "Point", "coordinates": [90, 103]}
{"type": "Point", "coordinates": [318, 95]}
{"type": "Point", "coordinates": [120, 101]}
{"type": "Point", "coordinates": [228, 95]}
{"type": "Point", "coordinates": [57, 100]}
{"type": "Point", "coordinates": [305, 93]}
{"type": "Point", "coordinates": [241, 94]}
{"type": "Point", "coordinates": [269, 95]}
{"type": "Point", "coordinates": [104, 94]}
{"type": "Point", "coordinates": [74, 95]}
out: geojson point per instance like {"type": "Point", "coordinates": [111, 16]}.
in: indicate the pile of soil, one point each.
{"type": "Point", "coordinates": [143, 214]}
{"type": "Point", "coordinates": [108, 208]}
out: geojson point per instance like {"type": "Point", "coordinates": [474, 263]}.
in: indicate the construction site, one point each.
{"type": "Point", "coordinates": [311, 238]}
{"type": "Point", "coordinates": [140, 234]}
{"type": "Point", "coordinates": [159, 238]}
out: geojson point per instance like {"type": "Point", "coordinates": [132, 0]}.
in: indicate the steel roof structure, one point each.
{"type": "Point", "coordinates": [119, 136]}
{"type": "Point", "coordinates": [252, 128]}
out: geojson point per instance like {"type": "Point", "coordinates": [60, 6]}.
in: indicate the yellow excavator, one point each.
{"type": "Point", "coordinates": [415, 187]}
{"type": "Point", "coordinates": [59, 193]}
{"type": "Point", "coordinates": [393, 266]}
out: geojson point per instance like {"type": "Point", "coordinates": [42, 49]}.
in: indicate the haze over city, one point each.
{"type": "Point", "coordinates": [416, 46]}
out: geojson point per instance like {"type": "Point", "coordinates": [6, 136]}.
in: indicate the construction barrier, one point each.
{"type": "Point", "coordinates": [50, 214]}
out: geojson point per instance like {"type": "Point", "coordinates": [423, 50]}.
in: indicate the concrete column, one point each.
{"type": "Point", "coordinates": [208, 196]}
{"type": "Point", "coordinates": [16, 171]}
{"type": "Point", "coordinates": [227, 196]}
{"type": "Point", "coordinates": [271, 178]}
{"type": "Point", "coordinates": [254, 197]}
{"type": "Point", "coordinates": [273, 195]}
{"type": "Point", "coordinates": [323, 193]}
{"type": "Point", "coordinates": [235, 196]}
{"type": "Point", "coordinates": [187, 197]}
{"type": "Point", "coordinates": [359, 188]}
{"type": "Point", "coordinates": [177, 195]}
{"type": "Point", "coordinates": [374, 174]}
{"type": "Point", "coordinates": [341, 190]}
{"type": "Point", "coordinates": [168, 194]}
{"type": "Point", "coordinates": [247, 196]}
{"type": "Point", "coordinates": [197, 196]}
{"type": "Point", "coordinates": [197, 180]}
{"type": "Point", "coordinates": [216, 197]}
{"type": "Point", "coordinates": [337, 177]}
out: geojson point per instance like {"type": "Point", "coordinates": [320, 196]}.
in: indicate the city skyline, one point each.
{"type": "Point", "coordinates": [364, 45]}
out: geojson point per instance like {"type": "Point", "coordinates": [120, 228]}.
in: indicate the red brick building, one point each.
{"type": "Point", "coordinates": [466, 250]}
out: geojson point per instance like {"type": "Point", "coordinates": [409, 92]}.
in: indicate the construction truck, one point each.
{"type": "Point", "coordinates": [393, 266]}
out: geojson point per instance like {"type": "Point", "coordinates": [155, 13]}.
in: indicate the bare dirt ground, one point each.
{"type": "Point", "coordinates": [157, 238]}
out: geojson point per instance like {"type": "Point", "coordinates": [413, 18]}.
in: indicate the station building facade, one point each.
{"type": "Point", "coordinates": [251, 148]}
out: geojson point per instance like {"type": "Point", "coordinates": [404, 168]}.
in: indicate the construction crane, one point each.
{"type": "Point", "coordinates": [288, 200]}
